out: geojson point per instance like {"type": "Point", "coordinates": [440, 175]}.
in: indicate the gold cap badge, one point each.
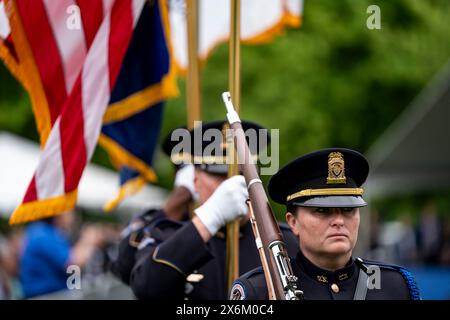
{"type": "Point", "coordinates": [336, 168]}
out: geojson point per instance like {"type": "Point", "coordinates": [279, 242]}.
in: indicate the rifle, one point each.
{"type": "Point", "coordinates": [281, 282]}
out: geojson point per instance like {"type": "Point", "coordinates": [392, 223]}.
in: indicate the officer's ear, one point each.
{"type": "Point", "coordinates": [291, 219]}
{"type": "Point", "coordinates": [196, 177]}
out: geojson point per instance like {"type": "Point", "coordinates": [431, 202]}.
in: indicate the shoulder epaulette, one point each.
{"type": "Point", "coordinates": [239, 290]}
{"type": "Point", "coordinates": [162, 222]}
{"type": "Point", "coordinates": [252, 273]}
{"type": "Point", "coordinates": [154, 231]}
{"type": "Point", "coordinates": [151, 214]}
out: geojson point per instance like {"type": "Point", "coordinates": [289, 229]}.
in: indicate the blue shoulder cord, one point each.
{"type": "Point", "coordinates": [411, 283]}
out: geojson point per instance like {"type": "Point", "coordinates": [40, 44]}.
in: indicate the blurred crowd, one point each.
{"type": "Point", "coordinates": [34, 258]}
{"type": "Point", "coordinates": [404, 241]}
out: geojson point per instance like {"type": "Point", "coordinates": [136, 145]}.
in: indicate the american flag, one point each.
{"type": "Point", "coordinates": [5, 30]}
{"type": "Point", "coordinates": [68, 56]}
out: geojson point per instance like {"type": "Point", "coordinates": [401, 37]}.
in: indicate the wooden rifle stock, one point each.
{"type": "Point", "coordinates": [269, 240]}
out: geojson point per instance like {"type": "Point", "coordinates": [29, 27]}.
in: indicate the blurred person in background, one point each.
{"type": "Point", "coordinates": [407, 245]}
{"type": "Point", "coordinates": [430, 234]}
{"type": "Point", "coordinates": [374, 229]}
{"type": "Point", "coordinates": [10, 248]}
{"type": "Point", "coordinates": [5, 289]}
{"type": "Point", "coordinates": [47, 253]}
{"type": "Point", "coordinates": [101, 261]}
{"type": "Point", "coordinates": [445, 248]}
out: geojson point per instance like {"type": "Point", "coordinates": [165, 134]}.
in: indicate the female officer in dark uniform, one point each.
{"type": "Point", "coordinates": [323, 194]}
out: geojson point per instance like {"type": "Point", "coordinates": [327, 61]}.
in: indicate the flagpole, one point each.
{"type": "Point", "coordinates": [234, 78]}
{"type": "Point", "coordinates": [193, 70]}
{"type": "Point", "coordinates": [234, 84]}
{"type": "Point", "coordinates": [193, 107]}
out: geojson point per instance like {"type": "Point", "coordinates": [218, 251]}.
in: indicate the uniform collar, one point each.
{"type": "Point", "coordinates": [325, 276]}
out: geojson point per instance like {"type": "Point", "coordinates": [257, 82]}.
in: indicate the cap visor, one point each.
{"type": "Point", "coordinates": [332, 202]}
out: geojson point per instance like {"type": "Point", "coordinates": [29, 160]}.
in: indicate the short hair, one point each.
{"type": "Point", "coordinates": [292, 208]}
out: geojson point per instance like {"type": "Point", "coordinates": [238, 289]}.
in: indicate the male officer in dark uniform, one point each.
{"type": "Point", "coordinates": [176, 208]}
{"type": "Point", "coordinates": [323, 194]}
{"type": "Point", "coordinates": [187, 260]}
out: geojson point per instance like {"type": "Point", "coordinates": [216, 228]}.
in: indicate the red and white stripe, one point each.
{"type": "Point", "coordinates": [70, 42]}
{"type": "Point", "coordinates": [59, 51]}
{"type": "Point", "coordinates": [5, 29]}
{"type": "Point", "coordinates": [89, 65]}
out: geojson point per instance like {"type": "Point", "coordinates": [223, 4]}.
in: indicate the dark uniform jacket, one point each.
{"type": "Point", "coordinates": [173, 261]}
{"type": "Point", "coordinates": [393, 283]}
{"type": "Point", "coordinates": [131, 237]}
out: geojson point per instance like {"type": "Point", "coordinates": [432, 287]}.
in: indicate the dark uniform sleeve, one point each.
{"type": "Point", "coordinates": [162, 266]}
{"type": "Point", "coordinates": [131, 236]}
{"type": "Point", "coordinates": [250, 286]}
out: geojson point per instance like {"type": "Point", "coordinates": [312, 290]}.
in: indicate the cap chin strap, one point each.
{"type": "Point", "coordinates": [326, 192]}
{"type": "Point", "coordinates": [188, 158]}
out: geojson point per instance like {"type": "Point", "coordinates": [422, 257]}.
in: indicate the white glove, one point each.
{"type": "Point", "coordinates": [185, 178]}
{"type": "Point", "coordinates": [227, 203]}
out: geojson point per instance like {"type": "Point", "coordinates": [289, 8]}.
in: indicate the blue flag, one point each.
{"type": "Point", "coordinates": [132, 122]}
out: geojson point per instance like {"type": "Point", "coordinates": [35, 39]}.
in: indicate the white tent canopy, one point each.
{"type": "Point", "coordinates": [18, 161]}
{"type": "Point", "coordinates": [414, 153]}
